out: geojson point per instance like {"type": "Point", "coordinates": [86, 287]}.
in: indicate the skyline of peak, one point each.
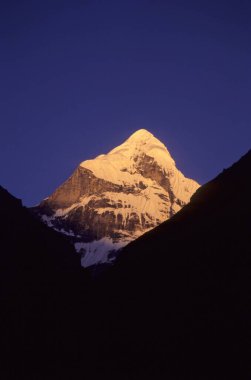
{"type": "Point", "coordinates": [141, 134]}
{"type": "Point", "coordinates": [140, 137]}
{"type": "Point", "coordinates": [78, 80]}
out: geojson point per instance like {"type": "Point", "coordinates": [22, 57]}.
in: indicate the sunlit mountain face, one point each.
{"type": "Point", "coordinates": [114, 198]}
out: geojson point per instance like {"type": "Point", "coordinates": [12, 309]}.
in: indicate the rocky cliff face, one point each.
{"type": "Point", "coordinates": [111, 200]}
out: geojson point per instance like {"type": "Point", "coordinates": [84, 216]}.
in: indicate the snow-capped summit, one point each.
{"type": "Point", "coordinates": [124, 157]}
{"type": "Point", "coordinates": [116, 197]}
{"type": "Point", "coordinates": [141, 134]}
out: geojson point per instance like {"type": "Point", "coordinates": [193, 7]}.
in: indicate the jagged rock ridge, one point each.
{"type": "Point", "coordinates": [116, 197]}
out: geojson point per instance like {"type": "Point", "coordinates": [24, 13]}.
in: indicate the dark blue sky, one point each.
{"type": "Point", "coordinates": [78, 77]}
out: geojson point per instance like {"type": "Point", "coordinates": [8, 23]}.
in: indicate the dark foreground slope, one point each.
{"type": "Point", "coordinates": [41, 296]}
{"type": "Point", "coordinates": [177, 304]}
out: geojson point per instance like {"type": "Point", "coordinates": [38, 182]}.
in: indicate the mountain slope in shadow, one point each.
{"type": "Point", "coordinates": [176, 305]}
{"type": "Point", "coordinates": [178, 300]}
{"type": "Point", "coordinates": [41, 295]}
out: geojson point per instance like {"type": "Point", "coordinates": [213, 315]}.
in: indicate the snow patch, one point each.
{"type": "Point", "coordinates": [47, 220]}
{"type": "Point", "coordinates": [98, 251]}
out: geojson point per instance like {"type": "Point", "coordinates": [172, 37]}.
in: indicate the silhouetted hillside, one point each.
{"type": "Point", "coordinates": [179, 297]}
{"type": "Point", "coordinates": [41, 295]}
{"type": "Point", "coordinates": [175, 306]}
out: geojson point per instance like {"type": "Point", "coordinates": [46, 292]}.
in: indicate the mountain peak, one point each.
{"type": "Point", "coordinates": [141, 134]}
{"type": "Point", "coordinates": [116, 197]}
{"type": "Point", "coordinates": [140, 143]}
